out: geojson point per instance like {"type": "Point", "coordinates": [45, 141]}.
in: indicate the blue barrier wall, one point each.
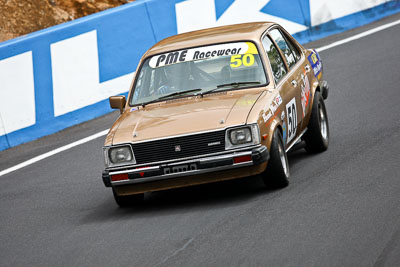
{"type": "Point", "coordinates": [63, 75]}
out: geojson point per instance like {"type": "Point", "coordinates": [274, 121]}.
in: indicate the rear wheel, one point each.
{"type": "Point", "coordinates": [277, 172]}
{"type": "Point", "coordinates": [317, 135]}
{"type": "Point", "coordinates": [128, 201]}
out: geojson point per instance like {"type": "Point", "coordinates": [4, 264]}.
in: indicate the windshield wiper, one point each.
{"type": "Point", "coordinates": [180, 93]}
{"type": "Point", "coordinates": [171, 95]}
{"type": "Point", "coordinates": [236, 84]}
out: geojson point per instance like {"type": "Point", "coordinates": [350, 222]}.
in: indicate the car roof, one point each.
{"type": "Point", "coordinates": [246, 31]}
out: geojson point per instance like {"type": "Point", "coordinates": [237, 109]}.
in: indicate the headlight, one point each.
{"type": "Point", "coordinates": [120, 155]}
{"type": "Point", "coordinates": [242, 136]}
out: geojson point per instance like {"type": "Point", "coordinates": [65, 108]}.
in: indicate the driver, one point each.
{"type": "Point", "coordinates": [173, 78]}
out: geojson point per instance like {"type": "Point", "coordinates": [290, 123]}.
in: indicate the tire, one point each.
{"type": "Point", "coordinates": [277, 173]}
{"type": "Point", "coordinates": [128, 201]}
{"type": "Point", "coordinates": [317, 135]}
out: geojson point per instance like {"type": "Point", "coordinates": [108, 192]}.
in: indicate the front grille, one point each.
{"type": "Point", "coordinates": [190, 145]}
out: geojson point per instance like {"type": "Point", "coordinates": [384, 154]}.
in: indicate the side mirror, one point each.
{"type": "Point", "coordinates": [117, 102]}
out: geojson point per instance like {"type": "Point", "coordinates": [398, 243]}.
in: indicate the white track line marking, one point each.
{"type": "Point", "coordinates": [176, 252]}
{"type": "Point", "coordinates": [53, 152]}
{"type": "Point", "coordinates": [102, 133]}
{"type": "Point", "coordinates": [358, 36]}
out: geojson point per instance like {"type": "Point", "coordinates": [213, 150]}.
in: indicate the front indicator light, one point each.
{"type": "Point", "coordinates": [241, 159]}
{"type": "Point", "coordinates": [119, 177]}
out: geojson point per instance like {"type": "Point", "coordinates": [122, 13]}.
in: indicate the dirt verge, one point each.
{"type": "Point", "coordinates": [22, 17]}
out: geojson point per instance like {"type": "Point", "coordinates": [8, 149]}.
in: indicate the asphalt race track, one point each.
{"type": "Point", "coordinates": [342, 207]}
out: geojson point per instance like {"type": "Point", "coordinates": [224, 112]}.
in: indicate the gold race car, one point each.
{"type": "Point", "coordinates": [213, 105]}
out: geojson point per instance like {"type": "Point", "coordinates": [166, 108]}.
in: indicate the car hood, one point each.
{"type": "Point", "coordinates": [183, 116]}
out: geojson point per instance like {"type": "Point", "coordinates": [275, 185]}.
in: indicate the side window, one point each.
{"type": "Point", "coordinates": [295, 52]}
{"type": "Point", "coordinates": [283, 45]}
{"type": "Point", "coordinates": [277, 65]}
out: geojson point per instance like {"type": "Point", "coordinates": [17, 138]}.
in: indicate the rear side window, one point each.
{"type": "Point", "coordinates": [286, 48]}
{"type": "Point", "coordinates": [295, 52]}
{"type": "Point", "coordinates": [277, 65]}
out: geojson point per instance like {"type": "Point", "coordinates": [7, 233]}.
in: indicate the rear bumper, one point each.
{"type": "Point", "coordinates": [195, 167]}
{"type": "Point", "coordinates": [325, 89]}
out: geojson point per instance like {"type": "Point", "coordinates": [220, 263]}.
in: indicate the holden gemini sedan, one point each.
{"type": "Point", "coordinates": [214, 105]}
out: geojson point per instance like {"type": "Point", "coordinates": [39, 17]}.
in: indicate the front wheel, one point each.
{"type": "Point", "coordinates": [277, 173]}
{"type": "Point", "coordinates": [317, 135]}
{"type": "Point", "coordinates": [127, 201]}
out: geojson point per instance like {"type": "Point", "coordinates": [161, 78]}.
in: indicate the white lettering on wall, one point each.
{"type": "Point", "coordinates": [17, 93]}
{"type": "Point", "coordinates": [325, 10]}
{"type": "Point", "coordinates": [2, 130]}
{"type": "Point", "coordinates": [200, 14]}
{"type": "Point", "coordinates": [75, 68]}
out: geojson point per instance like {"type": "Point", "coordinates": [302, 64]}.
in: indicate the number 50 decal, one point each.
{"type": "Point", "coordinates": [238, 60]}
{"type": "Point", "coordinates": [291, 111]}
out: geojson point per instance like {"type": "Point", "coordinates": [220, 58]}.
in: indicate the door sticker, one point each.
{"type": "Point", "coordinates": [278, 99]}
{"type": "Point", "coordinates": [316, 64]}
{"type": "Point", "coordinates": [305, 92]}
{"type": "Point", "coordinates": [284, 132]}
{"type": "Point", "coordinates": [291, 111]}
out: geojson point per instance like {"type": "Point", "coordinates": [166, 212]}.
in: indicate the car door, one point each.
{"type": "Point", "coordinates": [295, 108]}
{"type": "Point", "coordinates": [302, 76]}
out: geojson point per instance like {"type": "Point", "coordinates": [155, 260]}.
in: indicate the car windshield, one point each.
{"type": "Point", "coordinates": [198, 71]}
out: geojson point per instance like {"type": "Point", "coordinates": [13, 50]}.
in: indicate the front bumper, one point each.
{"type": "Point", "coordinates": [227, 161]}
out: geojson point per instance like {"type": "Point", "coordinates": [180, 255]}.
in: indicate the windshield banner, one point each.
{"type": "Point", "coordinates": [205, 52]}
